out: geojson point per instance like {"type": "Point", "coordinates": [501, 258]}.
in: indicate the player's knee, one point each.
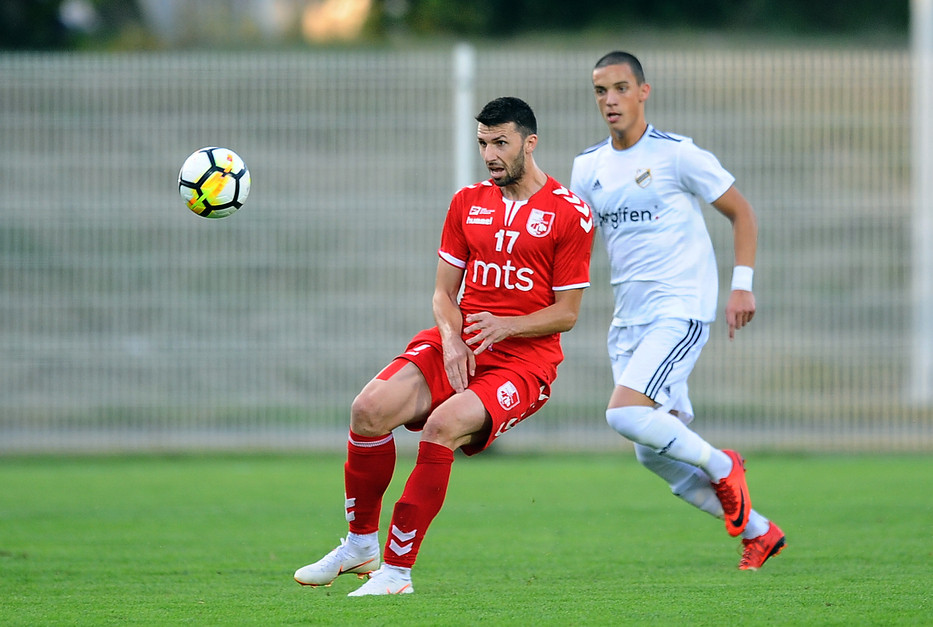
{"type": "Point", "coordinates": [630, 421]}
{"type": "Point", "coordinates": [366, 415]}
{"type": "Point", "coordinates": [435, 430]}
{"type": "Point", "coordinates": [441, 430]}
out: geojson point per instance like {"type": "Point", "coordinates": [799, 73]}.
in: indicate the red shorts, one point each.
{"type": "Point", "coordinates": [508, 389]}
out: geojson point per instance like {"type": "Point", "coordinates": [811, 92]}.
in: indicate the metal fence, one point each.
{"type": "Point", "coordinates": [129, 323]}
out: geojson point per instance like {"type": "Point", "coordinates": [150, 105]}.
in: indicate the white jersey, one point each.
{"type": "Point", "coordinates": [644, 199]}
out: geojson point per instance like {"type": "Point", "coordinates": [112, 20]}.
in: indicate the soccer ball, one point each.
{"type": "Point", "coordinates": [214, 182]}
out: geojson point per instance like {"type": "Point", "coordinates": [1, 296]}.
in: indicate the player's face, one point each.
{"type": "Point", "coordinates": [620, 99]}
{"type": "Point", "coordinates": [503, 151]}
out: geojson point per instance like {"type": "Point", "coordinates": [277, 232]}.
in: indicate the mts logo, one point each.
{"type": "Point", "coordinates": [508, 276]}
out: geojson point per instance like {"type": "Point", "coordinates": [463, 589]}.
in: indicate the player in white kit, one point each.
{"type": "Point", "coordinates": [644, 187]}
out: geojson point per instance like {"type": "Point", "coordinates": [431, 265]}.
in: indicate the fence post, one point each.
{"type": "Point", "coordinates": [464, 89]}
{"type": "Point", "coordinates": [921, 30]}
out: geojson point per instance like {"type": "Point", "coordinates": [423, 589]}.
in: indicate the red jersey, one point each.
{"type": "Point", "coordinates": [516, 254]}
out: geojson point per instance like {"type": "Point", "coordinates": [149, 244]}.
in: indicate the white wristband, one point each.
{"type": "Point", "coordinates": [742, 278]}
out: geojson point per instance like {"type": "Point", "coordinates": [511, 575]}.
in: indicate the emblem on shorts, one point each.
{"type": "Point", "coordinates": [539, 222]}
{"type": "Point", "coordinates": [507, 395]}
{"type": "Point", "coordinates": [643, 177]}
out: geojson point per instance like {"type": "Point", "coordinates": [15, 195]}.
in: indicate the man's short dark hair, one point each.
{"type": "Point", "coordinates": [617, 57]}
{"type": "Point", "coordinates": [509, 109]}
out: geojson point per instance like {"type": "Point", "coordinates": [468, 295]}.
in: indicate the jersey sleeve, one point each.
{"type": "Point", "coordinates": [578, 173]}
{"type": "Point", "coordinates": [702, 174]}
{"type": "Point", "coordinates": [572, 253]}
{"type": "Point", "coordinates": [453, 248]}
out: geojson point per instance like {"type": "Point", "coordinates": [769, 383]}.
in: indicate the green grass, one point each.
{"type": "Point", "coordinates": [522, 540]}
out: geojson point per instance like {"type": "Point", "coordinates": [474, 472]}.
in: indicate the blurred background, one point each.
{"type": "Point", "coordinates": [130, 324]}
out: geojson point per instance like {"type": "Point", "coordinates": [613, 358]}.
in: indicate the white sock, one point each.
{"type": "Point", "coordinates": [669, 437]}
{"type": "Point", "coordinates": [757, 525]}
{"type": "Point", "coordinates": [686, 482]}
{"type": "Point", "coordinates": [719, 466]}
{"type": "Point", "coordinates": [363, 540]}
{"type": "Point", "coordinates": [405, 573]}
{"type": "Point", "coordinates": [693, 486]}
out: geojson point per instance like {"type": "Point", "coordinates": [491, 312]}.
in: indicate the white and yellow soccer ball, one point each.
{"type": "Point", "coordinates": [214, 182]}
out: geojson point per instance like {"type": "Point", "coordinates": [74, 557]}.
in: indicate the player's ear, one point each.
{"type": "Point", "coordinates": [530, 142]}
{"type": "Point", "coordinates": [645, 91]}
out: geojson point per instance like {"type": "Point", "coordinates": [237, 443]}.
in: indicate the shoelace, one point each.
{"type": "Point", "coordinates": [751, 553]}
{"type": "Point", "coordinates": [726, 496]}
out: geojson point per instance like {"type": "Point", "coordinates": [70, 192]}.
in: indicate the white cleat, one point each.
{"type": "Point", "coordinates": [346, 558]}
{"type": "Point", "coordinates": [386, 580]}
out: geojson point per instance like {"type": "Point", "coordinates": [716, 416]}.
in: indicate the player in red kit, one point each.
{"type": "Point", "coordinates": [519, 246]}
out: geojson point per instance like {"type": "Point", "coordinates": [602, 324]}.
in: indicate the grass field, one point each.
{"type": "Point", "coordinates": [522, 540]}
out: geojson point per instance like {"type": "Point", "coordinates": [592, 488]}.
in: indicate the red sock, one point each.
{"type": "Point", "coordinates": [420, 502]}
{"type": "Point", "coordinates": [367, 474]}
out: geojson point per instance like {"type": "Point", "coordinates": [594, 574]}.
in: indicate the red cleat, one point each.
{"type": "Point", "coordinates": [733, 495]}
{"type": "Point", "coordinates": [758, 550]}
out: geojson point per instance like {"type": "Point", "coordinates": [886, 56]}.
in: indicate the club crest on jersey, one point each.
{"type": "Point", "coordinates": [539, 222]}
{"type": "Point", "coordinates": [480, 215]}
{"type": "Point", "coordinates": [643, 177]}
{"type": "Point", "coordinates": [507, 395]}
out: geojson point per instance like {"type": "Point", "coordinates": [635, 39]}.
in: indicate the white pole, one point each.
{"type": "Point", "coordinates": [464, 123]}
{"type": "Point", "coordinates": [921, 31]}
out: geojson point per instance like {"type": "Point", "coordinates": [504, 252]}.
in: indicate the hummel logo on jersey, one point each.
{"type": "Point", "coordinates": [480, 215]}
{"type": "Point", "coordinates": [597, 185]}
{"type": "Point", "coordinates": [483, 221]}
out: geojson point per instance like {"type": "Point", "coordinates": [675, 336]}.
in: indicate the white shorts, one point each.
{"type": "Point", "coordinates": [656, 359]}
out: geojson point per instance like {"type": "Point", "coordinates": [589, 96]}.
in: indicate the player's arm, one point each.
{"type": "Point", "coordinates": [459, 361]}
{"type": "Point", "coordinates": [556, 318]}
{"type": "Point", "coordinates": [741, 306]}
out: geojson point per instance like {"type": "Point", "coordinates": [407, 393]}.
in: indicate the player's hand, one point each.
{"type": "Point", "coordinates": [459, 364]}
{"type": "Point", "coordinates": [487, 329]}
{"type": "Point", "coordinates": [739, 310]}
